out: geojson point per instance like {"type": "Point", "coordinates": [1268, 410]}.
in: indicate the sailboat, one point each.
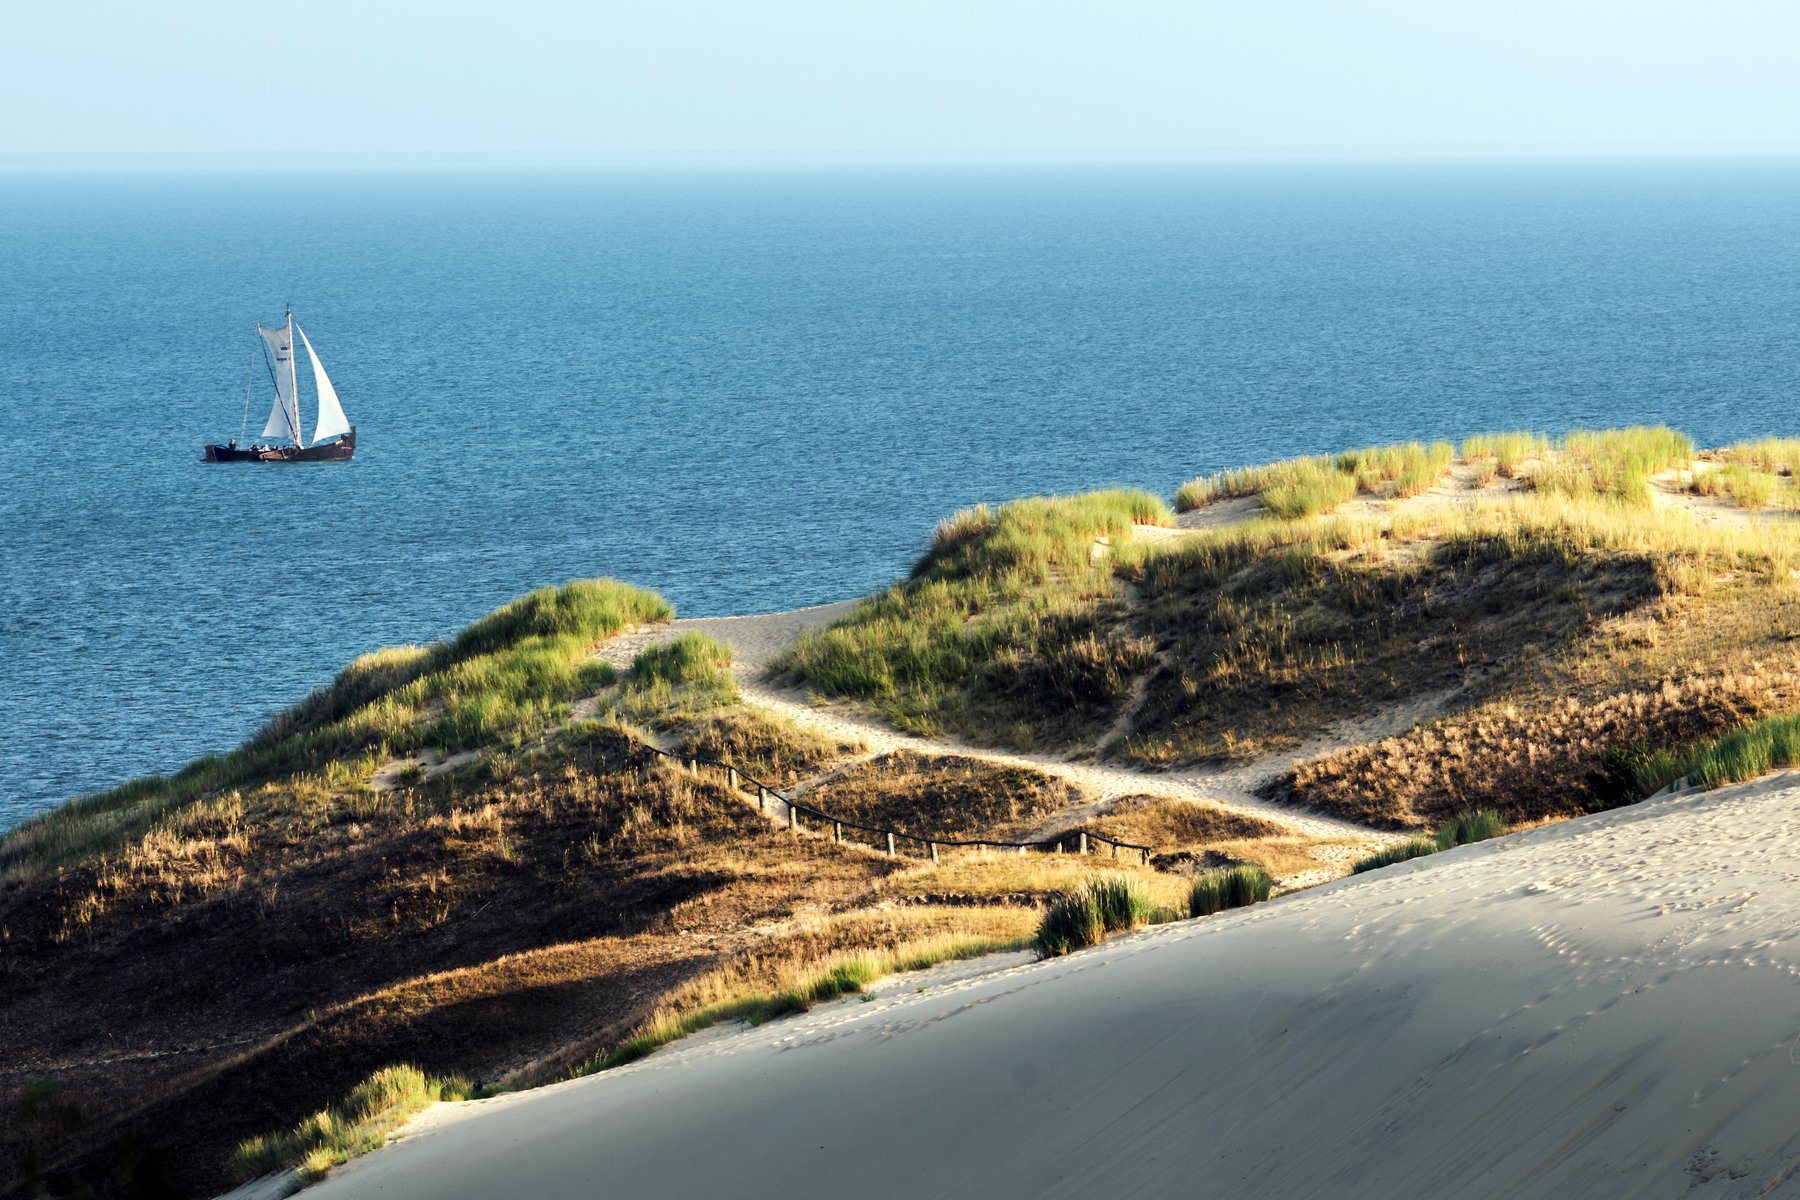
{"type": "Point", "coordinates": [334, 438]}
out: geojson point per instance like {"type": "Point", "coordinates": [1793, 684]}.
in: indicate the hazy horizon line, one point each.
{"type": "Point", "coordinates": [221, 160]}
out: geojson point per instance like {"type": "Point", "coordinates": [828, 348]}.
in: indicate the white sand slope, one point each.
{"type": "Point", "coordinates": [1606, 1007]}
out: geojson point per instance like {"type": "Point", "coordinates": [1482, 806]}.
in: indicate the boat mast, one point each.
{"type": "Point", "coordinates": [249, 383]}
{"type": "Point", "coordinates": [294, 380]}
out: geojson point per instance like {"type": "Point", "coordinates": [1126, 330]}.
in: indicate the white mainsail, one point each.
{"type": "Point", "coordinates": [332, 421]}
{"type": "Point", "coordinates": [284, 418]}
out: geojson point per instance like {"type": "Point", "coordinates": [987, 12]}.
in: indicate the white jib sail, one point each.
{"type": "Point", "coordinates": [331, 420]}
{"type": "Point", "coordinates": [284, 418]}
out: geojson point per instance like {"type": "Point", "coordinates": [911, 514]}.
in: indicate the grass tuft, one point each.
{"type": "Point", "coordinates": [1460, 830]}
{"type": "Point", "coordinates": [362, 1122]}
{"type": "Point", "coordinates": [1233, 887]}
{"type": "Point", "coordinates": [845, 977]}
{"type": "Point", "coordinates": [1509, 451]}
{"type": "Point", "coordinates": [1399, 852]}
{"type": "Point", "coordinates": [1086, 913]}
{"type": "Point", "coordinates": [1747, 752]}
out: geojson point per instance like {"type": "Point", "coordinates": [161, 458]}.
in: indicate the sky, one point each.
{"type": "Point", "coordinates": [696, 82]}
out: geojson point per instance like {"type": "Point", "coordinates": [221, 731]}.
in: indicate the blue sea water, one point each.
{"type": "Point", "coordinates": [752, 391]}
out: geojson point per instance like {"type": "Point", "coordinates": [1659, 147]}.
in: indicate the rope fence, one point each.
{"type": "Point", "coordinates": [1082, 840]}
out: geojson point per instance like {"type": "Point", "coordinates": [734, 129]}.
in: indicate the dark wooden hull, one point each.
{"type": "Point", "coordinates": [338, 451]}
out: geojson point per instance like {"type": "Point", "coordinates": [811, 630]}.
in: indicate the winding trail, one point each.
{"type": "Point", "coordinates": [756, 640]}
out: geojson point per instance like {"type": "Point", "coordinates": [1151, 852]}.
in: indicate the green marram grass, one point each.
{"type": "Point", "coordinates": [360, 1123]}
{"type": "Point", "coordinates": [1755, 749]}
{"type": "Point", "coordinates": [1231, 887]}
{"type": "Point", "coordinates": [504, 679]}
{"type": "Point", "coordinates": [1615, 464]}
{"type": "Point", "coordinates": [1006, 629]}
{"type": "Point", "coordinates": [1460, 830]}
{"type": "Point", "coordinates": [1085, 914]}
{"type": "Point", "coordinates": [1780, 456]}
{"type": "Point", "coordinates": [1307, 487]}
{"type": "Point", "coordinates": [1398, 852]}
{"type": "Point", "coordinates": [844, 977]}
{"type": "Point", "coordinates": [1751, 487]}
{"type": "Point", "coordinates": [1509, 452]}
{"type": "Point", "coordinates": [679, 679]}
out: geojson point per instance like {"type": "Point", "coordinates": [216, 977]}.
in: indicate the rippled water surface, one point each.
{"type": "Point", "coordinates": [758, 391]}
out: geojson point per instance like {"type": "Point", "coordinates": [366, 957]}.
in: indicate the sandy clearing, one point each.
{"type": "Point", "coordinates": [1599, 1007]}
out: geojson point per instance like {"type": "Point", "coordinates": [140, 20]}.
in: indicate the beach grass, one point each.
{"type": "Point", "coordinates": [1461, 830]}
{"type": "Point", "coordinates": [1509, 452]}
{"type": "Point", "coordinates": [845, 976]}
{"type": "Point", "coordinates": [376, 1107]}
{"type": "Point", "coordinates": [1751, 487]}
{"type": "Point", "coordinates": [1398, 852]}
{"type": "Point", "coordinates": [1757, 748]}
{"type": "Point", "coordinates": [1083, 915]}
{"type": "Point", "coordinates": [1780, 456]}
{"type": "Point", "coordinates": [1232, 887]}
{"type": "Point", "coordinates": [1307, 487]}
{"type": "Point", "coordinates": [1005, 628]}
{"type": "Point", "coordinates": [670, 681]}
{"type": "Point", "coordinates": [504, 679]}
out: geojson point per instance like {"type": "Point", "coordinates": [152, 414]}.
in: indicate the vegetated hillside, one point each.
{"type": "Point", "coordinates": [463, 858]}
{"type": "Point", "coordinates": [1564, 605]}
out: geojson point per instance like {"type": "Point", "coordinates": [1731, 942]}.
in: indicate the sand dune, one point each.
{"type": "Point", "coordinates": [1606, 1007]}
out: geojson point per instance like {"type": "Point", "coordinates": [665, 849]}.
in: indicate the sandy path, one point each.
{"type": "Point", "coordinates": [757, 639]}
{"type": "Point", "coordinates": [1603, 1007]}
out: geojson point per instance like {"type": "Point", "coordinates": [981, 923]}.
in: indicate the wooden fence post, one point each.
{"type": "Point", "coordinates": [891, 846]}
{"type": "Point", "coordinates": [837, 832]}
{"type": "Point", "coordinates": [1084, 841]}
{"type": "Point", "coordinates": [932, 846]}
{"type": "Point", "coordinates": [793, 817]}
{"type": "Point", "coordinates": [1146, 856]}
{"type": "Point", "coordinates": [731, 777]}
{"type": "Point", "coordinates": [1059, 845]}
{"type": "Point", "coordinates": [762, 798]}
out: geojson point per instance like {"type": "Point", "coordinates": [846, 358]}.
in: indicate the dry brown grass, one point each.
{"type": "Point", "coordinates": [360, 928]}
{"type": "Point", "coordinates": [941, 797]}
{"type": "Point", "coordinates": [1166, 825]}
{"type": "Point", "coordinates": [760, 743]}
{"type": "Point", "coordinates": [1527, 763]}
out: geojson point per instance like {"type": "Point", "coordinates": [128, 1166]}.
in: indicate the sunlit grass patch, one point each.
{"type": "Point", "coordinates": [1509, 452]}
{"type": "Point", "coordinates": [507, 677]}
{"type": "Point", "coordinates": [847, 975]}
{"type": "Point", "coordinates": [361, 1123]}
{"type": "Point", "coordinates": [1613, 463]}
{"type": "Point", "coordinates": [1745, 486]}
{"type": "Point", "coordinates": [1777, 455]}
{"type": "Point", "coordinates": [1005, 629]}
